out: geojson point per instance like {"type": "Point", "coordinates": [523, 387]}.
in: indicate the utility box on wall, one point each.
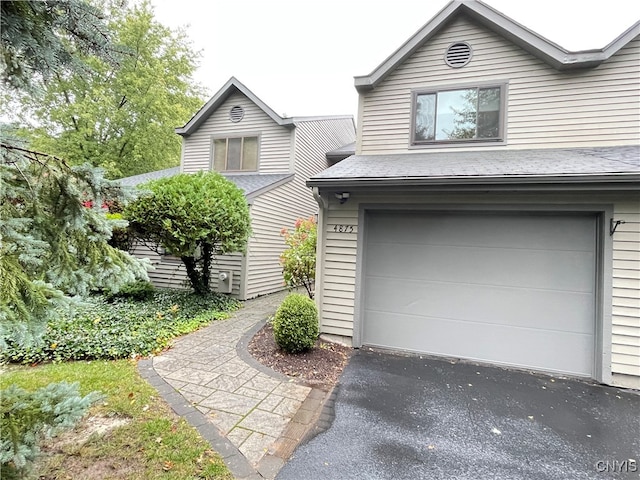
{"type": "Point", "coordinates": [225, 281]}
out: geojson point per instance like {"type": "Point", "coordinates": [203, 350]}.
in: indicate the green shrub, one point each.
{"type": "Point", "coordinates": [194, 217]}
{"type": "Point", "coordinates": [140, 290]}
{"type": "Point", "coordinates": [27, 417]}
{"type": "Point", "coordinates": [295, 326]}
{"type": "Point", "coordinates": [121, 237]}
{"type": "Point", "coordinates": [299, 259]}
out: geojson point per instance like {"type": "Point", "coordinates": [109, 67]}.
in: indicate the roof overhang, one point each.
{"type": "Point", "coordinates": [614, 182]}
{"type": "Point", "coordinates": [547, 51]}
{"type": "Point", "coordinates": [612, 168]}
{"type": "Point", "coordinates": [232, 86]}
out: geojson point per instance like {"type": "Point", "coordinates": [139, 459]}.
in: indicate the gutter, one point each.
{"type": "Point", "coordinates": [624, 181]}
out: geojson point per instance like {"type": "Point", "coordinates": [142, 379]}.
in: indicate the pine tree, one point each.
{"type": "Point", "coordinates": [42, 38]}
{"type": "Point", "coordinates": [53, 238]}
{"type": "Point", "coordinates": [53, 243]}
{"type": "Point", "coordinates": [27, 417]}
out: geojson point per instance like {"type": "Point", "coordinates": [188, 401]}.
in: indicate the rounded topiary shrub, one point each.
{"type": "Point", "coordinates": [295, 326]}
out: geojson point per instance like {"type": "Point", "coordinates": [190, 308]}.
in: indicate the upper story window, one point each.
{"type": "Point", "coordinates": [235, 154]}
{"type": "Point", "coordinates": [471, 114]}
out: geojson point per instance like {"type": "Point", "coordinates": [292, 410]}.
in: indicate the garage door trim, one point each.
{"type": "Point", "coordinates": [604, 262]}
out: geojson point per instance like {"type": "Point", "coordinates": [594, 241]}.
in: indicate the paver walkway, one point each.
{"type": "Point", "coordinates": [259, 415]}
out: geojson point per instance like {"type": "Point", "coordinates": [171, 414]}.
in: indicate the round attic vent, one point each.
{"type": "Point", "coordinates": [236, 114]}
{"type": "Point", "coordinates": [458, 55]}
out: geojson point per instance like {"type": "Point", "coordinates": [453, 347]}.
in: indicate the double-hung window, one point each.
{"type": "Point", "coordinates": [471, 114]}
{"type": "Point", "coordinates": [235, 154]}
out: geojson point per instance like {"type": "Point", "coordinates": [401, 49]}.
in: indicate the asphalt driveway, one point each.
{"type": "Point", "coordinates": [400, 417]}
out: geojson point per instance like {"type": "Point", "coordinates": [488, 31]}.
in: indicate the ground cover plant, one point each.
{"type": "Point", "coordinates": [131, 433]}
{"type": "Point", "coordinates": [116, 327]}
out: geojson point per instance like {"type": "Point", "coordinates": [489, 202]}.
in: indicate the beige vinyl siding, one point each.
{"type": "Point", "coordinates": [169, 271]}
{"type": "Point", "coordinates": [270, 213]}
{"type": "Point", "coordinates": [546, 108]}
{"type": "Point", "coordinates": [625, 349]}
{"type": "Point", "coordinates": [340, 252]}
{"type": "Point", "coordinates": [282, 206]}
{"type": "Point", "coordinates": [275, 141]}
{"type": "Point", "coordinates": [338, 286]}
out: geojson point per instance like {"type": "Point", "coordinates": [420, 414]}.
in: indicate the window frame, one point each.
{"type": "Point", "coordinates": [502, 121]}
{"type": "Point", "coordinates": [228, 137]}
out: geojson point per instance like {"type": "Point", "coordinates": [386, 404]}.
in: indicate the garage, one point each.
{"type": "Point", "coordinates": [511, 289]}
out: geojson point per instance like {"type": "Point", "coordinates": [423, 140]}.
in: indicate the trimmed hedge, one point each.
{"type": "Point", "coordinates": [295, 326]}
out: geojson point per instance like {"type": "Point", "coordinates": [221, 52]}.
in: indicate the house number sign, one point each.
{"type": "Point", "coordinates": [338, 228]}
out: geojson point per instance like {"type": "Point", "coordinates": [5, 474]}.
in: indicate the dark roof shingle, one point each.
{"type": "Point", "coordinates": [485, 164]}
{"type": "Point", "coordinates": [252, 184]}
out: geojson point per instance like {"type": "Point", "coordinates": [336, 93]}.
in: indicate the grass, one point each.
{"type": "Point", "coordinates": [153, 444]}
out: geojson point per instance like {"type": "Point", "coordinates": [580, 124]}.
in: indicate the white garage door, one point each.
{"type": "Point", "coordinates": [508, 289]}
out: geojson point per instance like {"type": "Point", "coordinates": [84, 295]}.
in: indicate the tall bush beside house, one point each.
{"type": "Point", "coordinates": [299, 259]}
{"type": "Point", "coordinates": [295, 325]}
{"type": "Point", "coordinates": [194, 217]}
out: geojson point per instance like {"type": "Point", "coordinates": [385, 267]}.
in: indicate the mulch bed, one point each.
{"type": "Point", "coordinates": [319, 367]}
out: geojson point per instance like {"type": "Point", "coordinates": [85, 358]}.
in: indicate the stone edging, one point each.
{"type": "Point", "coordinates": [313, 417]}
{"type": "Point", "coordinates": [235, 461]}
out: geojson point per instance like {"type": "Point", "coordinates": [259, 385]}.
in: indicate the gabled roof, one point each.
{"type": "Point", "coordinates": [252, 184]}
{"type": "Point", "coordinates": [232, 86]}
{"type": "Point", "coordinates": [537, 45]}
{"type": "Point", "coordinates": [620, 165]}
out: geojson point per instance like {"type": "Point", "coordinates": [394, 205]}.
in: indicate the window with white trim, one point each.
{"type": "Point", "coordinates": [237, 154]}
{"type": "Point", "coordinates": [471, 114]}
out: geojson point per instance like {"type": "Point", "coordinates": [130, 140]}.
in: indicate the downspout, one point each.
{"type": "Point", "coordinates": [244, 264]}
{"type": "Point", "coordinates": [319, 291]}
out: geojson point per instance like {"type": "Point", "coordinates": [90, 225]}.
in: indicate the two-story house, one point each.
{"type": "Point", "coordinates": [270, 158]}
{"type": "Point", "coordinates": [491, 211]}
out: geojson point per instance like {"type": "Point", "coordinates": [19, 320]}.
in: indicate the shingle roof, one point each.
{"type": "Point", "coordinates": [483, 166]}
{"type": "Point", "coordinates": [255, 184]}
{"type": "Point", "coordinates": [252, 185]}
{"type": "Point", "coordinates": [146, 177]}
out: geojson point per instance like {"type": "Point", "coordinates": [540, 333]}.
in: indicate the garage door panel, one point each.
{"type": "Point", "coordinates": [509, 289]}
{"type": "Point", "coordinates": [524, 348]}
{"type": "Point", "coordinates": [519, 307]}
{"type": "Point", "coordinates": [527, 268]}
{"type": "Point", "coordinates": [561, 233]}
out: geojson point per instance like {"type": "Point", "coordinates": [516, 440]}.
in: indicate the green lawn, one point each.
{"type": "Point", "coordinates": [154, 444]}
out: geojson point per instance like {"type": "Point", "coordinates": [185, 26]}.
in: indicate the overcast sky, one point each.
{"type": "Point", "coordinates": [300, 56]}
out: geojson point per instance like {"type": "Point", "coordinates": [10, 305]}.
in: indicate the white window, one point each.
{"type": "Point", "coordinates": [462, 115]}
{"type": "Point", "coordinates": [235, 154]}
